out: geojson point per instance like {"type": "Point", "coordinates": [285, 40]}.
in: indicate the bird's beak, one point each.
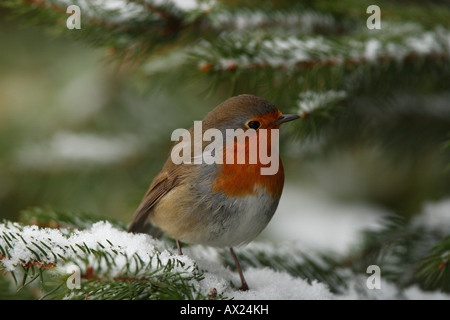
{"type": "Point", "coordinates": [286, 118]}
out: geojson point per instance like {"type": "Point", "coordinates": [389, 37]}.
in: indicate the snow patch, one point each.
{"type": "Point", "coordinates": [68, 148]}
{"type": "Point", "coordinates": [318, 223]}
{"type": "Point", "coordinates": [311, 100]}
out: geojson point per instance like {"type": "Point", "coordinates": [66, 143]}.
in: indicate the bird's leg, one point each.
{"type": "Point", "coordinates": [244, 286]}
{"type": "Point", "coordinates": [179, 247]}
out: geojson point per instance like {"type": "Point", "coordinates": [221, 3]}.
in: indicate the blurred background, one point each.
{"type": "Point", "coordinates": [77, 133]}
{"type": "Point", "coordinates": [81, 130]}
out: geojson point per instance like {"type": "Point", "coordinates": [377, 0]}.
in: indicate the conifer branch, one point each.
{"type": "Point", "coordinates": [108, 271]}
{"type": "Point", "coordinates": [435, 267]}
{"type": "Point", "coordinates": [247, 50]}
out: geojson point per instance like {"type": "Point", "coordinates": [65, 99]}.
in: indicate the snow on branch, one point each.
{"type": "Point", "coordinates": [31, 245]}
{"type": "Point", "coordinates": [310, 100]}
{"type": "Point", "coordinates": [99, 12]}
{"type": "Point", "coordinates": [113, 264]}
{"type": "Point", "coordinates": [292, 21]}
{"type": "Point", "coordinates": [116, 264]}
{"type": "Point", "coordinates": [118, 11]}
{"type": "Point", "coordinates": [249, 50]}
{"type": "Point", "coordinates": [112, 260]}
{"type": "Point", "coordinates": [122, 22]}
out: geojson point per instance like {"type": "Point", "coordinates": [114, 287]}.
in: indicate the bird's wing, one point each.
{"type": "Point", "coordinates": [164, 182]}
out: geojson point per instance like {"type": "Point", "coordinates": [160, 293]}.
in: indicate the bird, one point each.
{"type": "Point", "coordinates": [223, 203]}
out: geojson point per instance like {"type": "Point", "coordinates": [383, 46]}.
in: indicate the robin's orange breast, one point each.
{"type": "Point", "coordinates": [239, 180]}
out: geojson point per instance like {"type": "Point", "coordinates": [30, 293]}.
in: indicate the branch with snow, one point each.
{"type": "Point", "coordinates": [115, 264]}
{"type": "Point", "coordinates": [110, 259]}
{"type": "Point", "coordinates": [129, 28]}
{"type": "Point", "coordinates": [252, 50]}
{"type": "Point", "coordinates": [222, 38]}
{"type": "Point", "coordinates": [311, 100]}
{"type": "Point", "coordinates": [292, 21]}
{"type": "Point", "coordinates": [104, 255]}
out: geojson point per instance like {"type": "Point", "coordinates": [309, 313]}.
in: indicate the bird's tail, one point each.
{"type": "Point", "coordinates": [145, 227]}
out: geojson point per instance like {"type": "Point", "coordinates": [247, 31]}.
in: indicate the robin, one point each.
{"type": "Point", "coordinates": [217, 204]}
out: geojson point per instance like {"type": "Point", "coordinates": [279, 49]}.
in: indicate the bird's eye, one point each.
{"type": "Point", "coordinates": [253, 124]}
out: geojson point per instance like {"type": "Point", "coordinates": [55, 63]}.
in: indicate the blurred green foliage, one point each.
{"type": "Point", "coordinates": [49, 86]}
